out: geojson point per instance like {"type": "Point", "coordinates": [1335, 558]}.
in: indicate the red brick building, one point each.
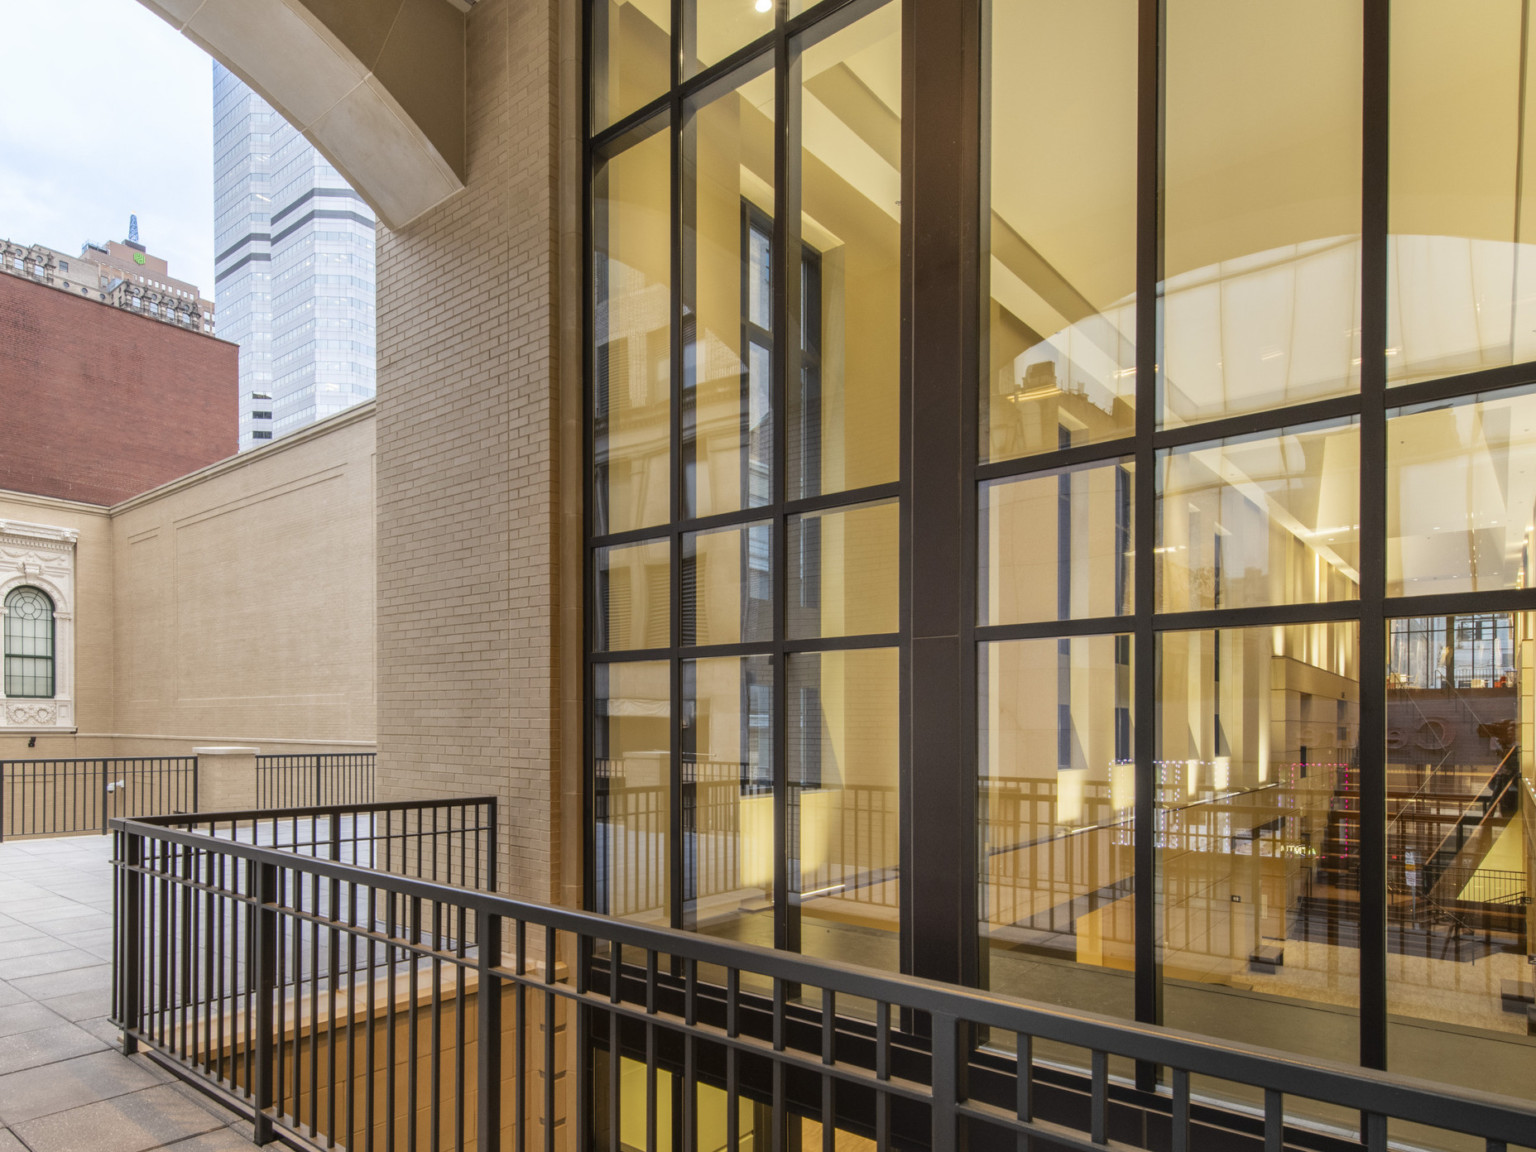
{"type": "Point", "coordinates": [99, 405]}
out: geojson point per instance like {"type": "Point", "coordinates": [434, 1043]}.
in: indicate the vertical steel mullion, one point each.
{"type": "Point", "coordinates": [784, 282]}
{"type": "Point", "coordinates": [488, 1050]}
{"type": "Point", "coordinates": [681, 227]}
{"type": "Point", "coordinates": [1372, 783]}
{"type": "Point", "coordinates": [1149, 271]}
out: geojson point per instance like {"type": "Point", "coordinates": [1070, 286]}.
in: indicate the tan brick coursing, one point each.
{"type": "Point", "coordinates": [467, 465]}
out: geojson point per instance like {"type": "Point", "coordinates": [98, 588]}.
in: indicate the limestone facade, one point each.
{"type": "Point", "coordinates": [231, 607]}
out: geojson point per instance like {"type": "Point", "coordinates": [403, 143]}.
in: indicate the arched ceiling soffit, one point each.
{"type": "Point", "coordinates": [376, 85]}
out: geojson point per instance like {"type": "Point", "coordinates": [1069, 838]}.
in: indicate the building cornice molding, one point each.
{"type": "Point", "coordinates": [20, 534]}
{"type": "Point", "coordinates": [353, 415]}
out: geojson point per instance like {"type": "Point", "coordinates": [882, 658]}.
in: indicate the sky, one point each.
{"type": "Point", "coordinates": [105, 109]}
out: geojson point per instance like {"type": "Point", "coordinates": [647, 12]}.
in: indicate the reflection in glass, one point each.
{"type": "Point", "coordinates": [1258, 836]}
{"type": "Point", "coordinates": [728, 304]}
{"type": "Point", "coordinates": [632, 389]}
{"type": "Point", "coordinates": [1461, 494]}
{"type": "Point", "coordinates": [843, 572]}
{"type": "Point", "coordinates": [632, 794]}
{"type": "Point", "coordinates": [728, 586]}
{"type": "Point", "coordinates": [634, 596]}
{"type": "Point", "coordinates": [1267, 519]}
{"type": "Point", "coordinates": [1057, 545]}
{"type": "Point", "coordinates": [631, 46]}
{"type": "Point", "coordinates": [844, 807]}
{"type": "Point", "coordinates": [1260, 295]}
{"type": "Point", "coordinates": [841, 408]}
{"type": "Point", "coordinates": [1056, 799]}
{"type": "Point", "coordinates": [727, 745]}
{"type": "Point", "coordinates": [1462, 272]}
{"type": "Point", "coordinates": [1461, 856]}
{"type": "Point", "coordinates": [1061, 320]}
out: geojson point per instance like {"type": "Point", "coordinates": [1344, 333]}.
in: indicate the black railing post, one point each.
{"type": "Point", "coordinates": [128, 938]}
{"type": "Point", "coordinates": [196, 769]}
{"type": "Point", "coordinates": [490, 850]}
{"type": "Point", "coordinates": [945, 1083]}
{"type": "Point", "coordinates": [106, 794]}
{"type": "Point", "coordinates": [488, 1065]}
{"type": "Point", "coordinates": [263, 983]}
{"type": "Point", "coordinates": [2, 802]}
{"type": "Point", "coordinates": [319, 798]}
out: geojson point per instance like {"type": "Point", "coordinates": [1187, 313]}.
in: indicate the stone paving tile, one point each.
{"type": "Point", "coordinates": [227, 1140]}
{"type": "Point", "coordinates": [35, 1092]}
{"type": "Point", "coordinates": [12, 947]}
{"type": "Point", "coordinates": [28, 1016]}
{"type": "Point", "coordinates": [104, 1030]}
{"type": "Point", "coordinates": [152, 1118]}
{"type": "Point", "coordinates": [53, 984]}
{"type": "Point", "coordinates": [18, 968]}
{"type": "Point", "coordinates": [86, 1005]}
{"type": "Point", "coordinates": [9, 1143]}
{"type": "Point", "coordinates": [9, 995]}
{"type": "Point", "coordinates": [45, 1046]}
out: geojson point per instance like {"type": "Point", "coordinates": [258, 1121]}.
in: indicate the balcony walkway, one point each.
{"type": "Point", "coordinates": [64, 1084]}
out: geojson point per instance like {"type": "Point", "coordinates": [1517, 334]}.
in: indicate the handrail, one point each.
{"type": "Point", "coordinates": [949, 1009]}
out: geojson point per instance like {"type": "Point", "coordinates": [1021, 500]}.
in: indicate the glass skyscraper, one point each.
{"type": "Point", "coordinates": [293, 270]}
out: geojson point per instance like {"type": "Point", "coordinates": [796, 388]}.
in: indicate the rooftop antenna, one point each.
{"type": "Point", "coordinates": [133, 228]}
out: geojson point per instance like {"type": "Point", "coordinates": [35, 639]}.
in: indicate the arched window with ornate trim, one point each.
{"type": "Point", "coordinates": [29, 644]}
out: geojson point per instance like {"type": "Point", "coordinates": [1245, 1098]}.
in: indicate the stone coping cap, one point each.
{"type": "Point", "coordinates": [226, 750]}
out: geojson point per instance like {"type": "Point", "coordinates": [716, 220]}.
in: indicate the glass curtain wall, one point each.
{"type": "Point", "coordinates": [744, 508]}
{"type": "Point", "coordinates": [1249, 434]}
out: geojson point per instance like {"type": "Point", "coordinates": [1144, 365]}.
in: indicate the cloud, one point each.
{"type": "Point", "coordinates": [106, 110]}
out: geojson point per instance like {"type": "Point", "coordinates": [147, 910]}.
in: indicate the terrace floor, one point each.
{"type": "Point", "coordinates": [65, 1085]}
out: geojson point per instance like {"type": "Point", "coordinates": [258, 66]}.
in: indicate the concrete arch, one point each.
{"type": "Point", "coordinates": [377, 86]}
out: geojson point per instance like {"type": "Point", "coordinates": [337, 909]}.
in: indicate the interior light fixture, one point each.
{"type": "Point", "coordinates": [764, 5]}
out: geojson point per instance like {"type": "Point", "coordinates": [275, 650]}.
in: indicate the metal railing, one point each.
{"type": "Point", "coordinates": [326, 778]}
{"type": "Point", "coordinates": [56, 797]}
{"type": "Point", "coordinates": [344, 1005]}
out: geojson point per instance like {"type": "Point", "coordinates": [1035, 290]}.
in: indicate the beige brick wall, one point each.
{"type": "Point", "coordinates": [232, 606]}
{"type": "Point", "coordinates": [467, 495]}
{"type": "Point", "coordinates": [244, 599]}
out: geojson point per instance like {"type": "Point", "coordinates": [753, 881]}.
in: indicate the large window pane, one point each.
{"type": "Point", "coordinates": [1261, 242]}
{"type": "Point", "coordinates": [842, 403]}
{"type": "Point", "coordinates": [716, 28]}
{"type": "Point", "coordinates": [1060, 329]}
{"type": "Point", "coordinates": [728, 586]}
{"type": "Point", "coordinates": [632, 386]}
{"type": "Point", "coordinates": [631, 47]}
{"type": "Point", "coordinates": [1056, 798]}
{"type": "Point", "coordinates": [634, 596]}
{"type": "Point", "coordinates": [1268, 519]}
{"type": "Point", "coordinates": [728, 303]}
{"type": "Point", "coordinates": [1461, 857]}
{"type": "Point", "coordinates": [1461, 495]}
{"type": "Point", "coordinates": [1258, 835]}
{"type": "Point", "coordinates": [1057, 545]}
{"type": "Point", "coordinates": [1462, 287]}
{"type": "Point", "coordinates": [844, 806]}
{"type": "Point", "coordinates": [632, 756]}
{"type": "Point", "coordinates": [727, 743]}
{"type": "Point", "coordinates": [843, 571]}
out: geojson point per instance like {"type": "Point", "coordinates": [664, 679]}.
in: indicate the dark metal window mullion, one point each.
{"type": "Point", "coordinates": [1371, 740]}
{"type": "Point", "coordinates": [784, 281]}
{"type": "Point", "coordinates": [1149, 269]}
{"type": "Point", "coordinates": [681, 225]}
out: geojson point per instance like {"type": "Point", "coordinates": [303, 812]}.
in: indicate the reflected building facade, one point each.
{"type": "Point", "coordinates": [1091, 562]}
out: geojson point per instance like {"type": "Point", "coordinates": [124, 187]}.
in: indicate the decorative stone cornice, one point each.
{"type": "Point", "coordinates": [18, 532]}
